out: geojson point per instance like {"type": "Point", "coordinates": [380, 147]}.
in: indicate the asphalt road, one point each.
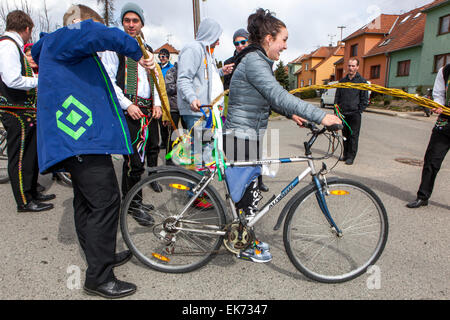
{"type": "Point", "coordinates": [41, 256]}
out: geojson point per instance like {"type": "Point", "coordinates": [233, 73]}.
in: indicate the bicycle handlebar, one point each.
{"type": "Point", "coordinates": [316, 132]}
{"type": "Point", "coordinates": [314, 128]}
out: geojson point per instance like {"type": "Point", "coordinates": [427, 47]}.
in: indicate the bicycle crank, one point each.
{"type": "Point", "coordinates": [238, 237]}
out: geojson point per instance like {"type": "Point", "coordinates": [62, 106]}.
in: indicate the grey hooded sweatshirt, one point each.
{"type": "Point", "coordinates": [194, 75]}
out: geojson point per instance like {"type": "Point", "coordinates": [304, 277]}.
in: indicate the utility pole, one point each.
{"type": "Point", "coordinates": [342, 28]}
{"type": "Point", "coordinates": [196, 15]}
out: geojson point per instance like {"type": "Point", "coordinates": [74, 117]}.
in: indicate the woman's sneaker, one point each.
{"type": "Point", "coordinates": [255, 254]}
{"type": "Point", "coordinates": [262, 245]}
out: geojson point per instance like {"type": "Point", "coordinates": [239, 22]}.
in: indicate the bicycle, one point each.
{"type": "Point", "coordinates": [334, 229]}
{"type": "Point", "coordinates": [3, 157]}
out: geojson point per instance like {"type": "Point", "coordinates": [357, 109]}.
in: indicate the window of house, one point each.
{"type": "Point", "coordinates": [375, 72]}
{"type": "Point", "coordinates": [306, 67]}
{"type": "Point", "coordinates": [444, 24]}
{"type": "Point", "coordinates": [302, 83]}
{"type": "Point", "coordinates": [403, 68]}
{"type": "Point", "coordinates": [309, 82]}
{"type": "Point", "coordinates": [440, 61]}
{"type": "Point", "coordinates": [354, 50]}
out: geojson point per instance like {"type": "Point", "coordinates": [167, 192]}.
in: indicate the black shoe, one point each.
{"type": "Point", "coordinates": [112, 289]}
{"type": "Point", "coordinates": [122, 258]}
{"type": "Point", "coordinates": [156, 187]}
{"type": "Point", "coordinates": [349, 162]}
{"type": "Point", "coordinates": [34, 206]}
{"type": "Point", "coordinates": [139, 213]}
{"type": "Point", "coordinates": [263, 187]}
{"type": "Point", "coordinates": [417, 203]}
{"type": "Point", "coordinates": [40, 197]}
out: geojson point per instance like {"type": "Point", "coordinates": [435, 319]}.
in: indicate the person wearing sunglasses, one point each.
{"type": "Point", "coordinates": [164, 58]}
{"type": "Point", "coordinates": [240, 41]}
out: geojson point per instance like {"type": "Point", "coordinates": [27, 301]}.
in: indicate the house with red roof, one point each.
{"type": "Point", "coordinates": [361, 42]}
{"type": "Point", "coordinates": [318, 66]}
{"type": "Point", "coordinates": [391, 48]}
{"type": "Point", "coordinates": [294, 66]}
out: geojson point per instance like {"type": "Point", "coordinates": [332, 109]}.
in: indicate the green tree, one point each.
{"type": "Point", "coordinates": [281, 75]}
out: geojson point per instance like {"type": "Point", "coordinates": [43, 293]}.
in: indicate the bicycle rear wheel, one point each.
{"type": "Point", "coordinates": [3, 157]}
{"type": "Point", "coordinates": [65, 177]}
{"type": "Point", "coordinates": [318, 251]}
{"type": "Point", "coordinates": [160, 245]}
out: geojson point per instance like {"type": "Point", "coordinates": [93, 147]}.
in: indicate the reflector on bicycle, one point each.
{"type": "Point", "coordinates": [160, 257]}
{"type": "Point", "coordinates": [179, 186]}
{"type": "Point", "coordinates": [339, 192]}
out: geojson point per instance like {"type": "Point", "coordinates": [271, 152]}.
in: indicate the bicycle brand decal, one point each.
{"type": "Point", "coordinates": [284, 193]}
{"type": "Point", "coordinates": [69, 116]}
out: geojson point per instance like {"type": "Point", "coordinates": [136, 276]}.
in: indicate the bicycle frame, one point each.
{"type": "Point", "coordinates": [274, 200]}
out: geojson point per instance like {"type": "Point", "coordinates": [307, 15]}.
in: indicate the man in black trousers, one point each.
{"type": "Point", "coordinates": [352, 103]}
{"type": "Point", "coordinates": [18, 114]}
{"type": "Point", "coordinates": [439, 142]}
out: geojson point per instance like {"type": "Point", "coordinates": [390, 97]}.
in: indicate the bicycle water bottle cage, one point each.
{"type": "Point", "coordinates": [239, 178]}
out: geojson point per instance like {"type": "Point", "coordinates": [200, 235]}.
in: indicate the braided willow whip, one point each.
{"type": "Point", "coordinates": [422, 101]}
{"type": "Point", "coordinates": [160, 85]}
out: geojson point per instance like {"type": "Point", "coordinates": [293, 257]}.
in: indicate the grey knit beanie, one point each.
{"type": "Point", "coordinates": [240, 33]}
{"type": "Point", "coordinates": [132, 7]}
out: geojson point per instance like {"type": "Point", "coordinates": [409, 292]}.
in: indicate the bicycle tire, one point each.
{"type": "Point", "coordinates": [146, 243]}
{"type": "Point", "coordinates": [65, 178]}
{"type": "Point", "coordinates": [335, 259]}
{"type": "Point", "coordinates": [4, 177]}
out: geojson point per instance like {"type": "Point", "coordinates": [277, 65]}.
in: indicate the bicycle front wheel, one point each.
{"type": "Point", "coordinates": [164, 242]}
{"type": "Point", "coordinates": [321, 253]}
{"type": "Point", "coordinates": [3, 157]}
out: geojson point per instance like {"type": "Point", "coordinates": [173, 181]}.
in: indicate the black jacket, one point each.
{"type": "Point", "coordinates": [171, 87]}
{"type": "Point", "coordinates": [352, 100]}
{"type": "Point", "coordinates": [227, 77]}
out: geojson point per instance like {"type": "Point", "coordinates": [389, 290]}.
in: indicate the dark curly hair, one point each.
{"type": "Point", "coordinates": [262, 23]}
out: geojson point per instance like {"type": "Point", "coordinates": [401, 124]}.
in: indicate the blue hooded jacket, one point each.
{"type": "Point", "coordinates": [78, 111]}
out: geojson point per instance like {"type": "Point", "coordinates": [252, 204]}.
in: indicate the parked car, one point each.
{"type": "Point", "coordinates": [327, 97]}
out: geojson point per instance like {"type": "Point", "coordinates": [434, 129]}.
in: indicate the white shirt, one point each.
{"type": "Point", "coordinates": [439, 91]}
{"type": "Point", "coordinates": [216, 82]}
{"type": "Point", "coordinates": [111, 62]}
{"type": "Point", "coordinates": [216, 85]}
{"type": "Point", "coordinates": [10, 64]}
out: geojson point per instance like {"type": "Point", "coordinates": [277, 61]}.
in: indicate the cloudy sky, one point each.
{"type": "Point", "coordinates": [310, 22]}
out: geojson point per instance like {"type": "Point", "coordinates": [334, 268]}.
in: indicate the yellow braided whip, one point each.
{"type": "Point", "coordinates": [422, 101]}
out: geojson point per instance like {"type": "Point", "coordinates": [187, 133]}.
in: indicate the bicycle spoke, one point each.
{"type": "Point", "coordinates": [161, 245]}
{"type": "Point", "coordinates": [322, 254]}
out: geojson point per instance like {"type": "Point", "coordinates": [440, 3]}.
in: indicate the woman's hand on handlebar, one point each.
{"type": "Point", "coordinates": [298, 120]}
{"type": "Point", "coordinates": [330, 120]}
